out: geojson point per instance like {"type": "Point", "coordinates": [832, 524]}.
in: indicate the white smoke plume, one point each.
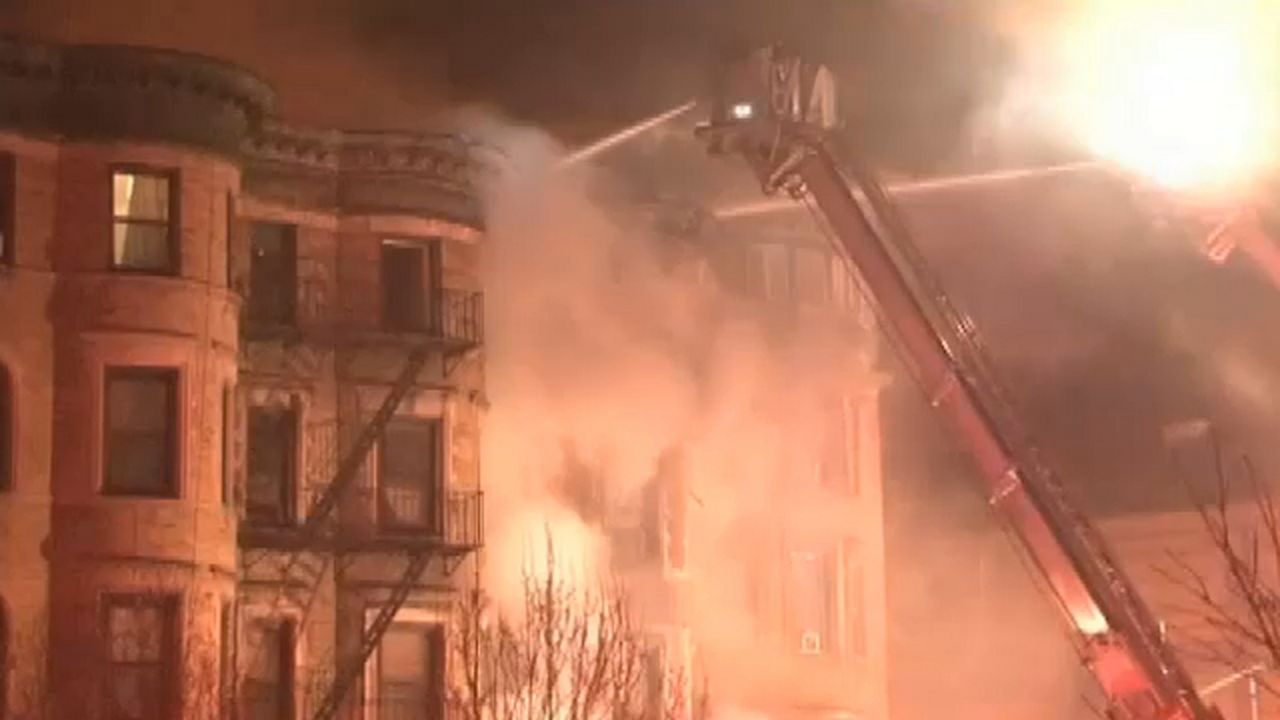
{"type": "Point", "coordinates": [608, 357]}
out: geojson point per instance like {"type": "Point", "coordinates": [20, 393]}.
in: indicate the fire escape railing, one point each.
{"type": "Point", "coordinates": [456, 327]}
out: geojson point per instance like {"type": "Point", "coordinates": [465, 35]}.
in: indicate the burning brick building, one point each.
{"type": "Point", "coordinates": [242, 381]}
{"type": "Point", "coordinates": [208, 318]}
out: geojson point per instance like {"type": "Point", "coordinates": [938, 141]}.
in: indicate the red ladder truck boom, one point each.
{"type": "Point", "coordinates": [776, 111]}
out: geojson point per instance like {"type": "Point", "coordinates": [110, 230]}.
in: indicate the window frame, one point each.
{"type": "Point", "coordinates": [170, 645]}
{"type": "Point", "coordinates": [287, 629]}
{"type": "Point", "coordinates": [172, 487]}
{"type": "Point", "coordinates": [227, 479]}
{"type": "Point", "coordinates": [173, 267]}
{"type": "Point", "coordinates": [5, 649]}
{"type": "Point", "coordinates": [230, 230]}
{"type": "Point", "coordinates": [432, 520]}
{"type": "Point", "coordinates": [253, 314]}
{"type": "Point", "coordinates": [435, 639]}
{"type": "Point", "coordinates": [290, 486]}
{"type": "Point", "coordinates": [8, 429]}
{"type": "Point", "coordinates": [8, 209]}
{"type": "Point", "coordinates": [431, 279]}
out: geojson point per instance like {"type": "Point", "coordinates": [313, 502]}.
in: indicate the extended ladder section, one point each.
{"type": "Point", "coordinates": [776, 129]}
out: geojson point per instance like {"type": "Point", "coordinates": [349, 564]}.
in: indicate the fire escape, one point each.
{"type": "Point", "coordinates": [305, 551]}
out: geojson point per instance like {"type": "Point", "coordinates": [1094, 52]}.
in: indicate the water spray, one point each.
{"type": "Point", "coordinates": [603, 144]}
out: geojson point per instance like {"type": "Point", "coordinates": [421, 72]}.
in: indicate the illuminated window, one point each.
{"type": "Point", "coordinates": [8, 187]}
{"type": "Point", "coordinates": [411, 673]}
{"type": "Point", "coordinates": [141, 438]}
{"type": "Point", "coordinates": [409, 482]}
{"type": "Point", "coordinates": [143, 210]}
{"type": "Point", "coordinates": [272, 472]}
{"type": "Point", "coordinates": [410, 279]}
{"type": "Point", "coordinates": [141, 637]}
{"type": "Point", "coordinates": [273, 275]}
{"type": "Point", "coordinates": [268, 685]}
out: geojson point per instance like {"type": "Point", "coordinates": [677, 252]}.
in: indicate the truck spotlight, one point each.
{"type": "Point", "coordinates": [743, 111]}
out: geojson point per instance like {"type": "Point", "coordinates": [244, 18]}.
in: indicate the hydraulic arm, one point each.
{"type": "Point", "coordinates": [775, 111]}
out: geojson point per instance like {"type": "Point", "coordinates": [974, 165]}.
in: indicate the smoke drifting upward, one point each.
{"type": "Point", "coordinates": [612, 361]}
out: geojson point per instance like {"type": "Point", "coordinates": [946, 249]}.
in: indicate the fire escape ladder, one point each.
{"type": "Point", "coordinates": [369, 434]}
{"type": "Point", "coordinates": [349, 672]}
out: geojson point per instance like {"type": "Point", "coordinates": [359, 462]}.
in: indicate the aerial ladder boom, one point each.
{"type": "Point", "coordinates": [775, 111]}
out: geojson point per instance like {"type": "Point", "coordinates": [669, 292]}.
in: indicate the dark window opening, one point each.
{"type": "Point", "coordinates": [228, 431]}
{"type": "Point", "coordinates": [409, 474]}
{"type": "Point", "coordinates": [6, 430]}
{"type": "Point", "coordinates": [141, 637]}
{"type": "Point", "coordinates": [4, 662]}
{"type": "Point", "coordinates": [273, 275]}
{"type": "Point", "coordinates": [269, 682]}
{"type": "Point", "coordinates": [411, 673]}
{"type": "Point", "coordinates": [141, 437]}
{"type": "Point", "coordinates": [8, 204]}
{"type": "Point", "coordinates": [226, 658]}
{"type": "Point", "coordinates": [230, 231]}
{"type": "Point", "coordinates": [269, 492]}
{"type": "Point", "coordinates": [144, 208]}
{"type": "Point", "coordinates": [410, 280]}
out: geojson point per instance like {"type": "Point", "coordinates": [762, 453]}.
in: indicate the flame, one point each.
{"type": "Point", "coordinates": [1182, 92]}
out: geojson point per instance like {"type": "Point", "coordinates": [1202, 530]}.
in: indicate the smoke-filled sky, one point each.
{"type": "Point", "coordinates": [577, 67]}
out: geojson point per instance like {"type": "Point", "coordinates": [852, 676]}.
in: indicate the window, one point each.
{"type": "Point", "coordinates": [8, 219]}
{"type": "Point", "coordinates": [812, 277]}
{"type": "Point", "coordinates": [409, 474]}
{"type": "Point", "coordinates": [411, 673]}
{"type": "Point", "coordinates": [836, 464]}
{"type": "Point", "coordinates": [810, 601]}
{"type": "Point", "coordinates": [4, 662]}
{"type": "Point", "coordinates": [228, 431]}
{"type": "Point", "coordinates": [227, 658]}
{"type": "Point", "coordinates": [775, 271]}
{"type": "Point", "coordinates": [857, 607]}
{"type": "Point", "coordinates": [141, 447]}
{"type": "Point", "coordinates": [269, 682]}
{"type": "Point", "coordinates": [272, 477]}
{"type": "Point", "coordinates": [6, 430]}
{"type": "Point", "coordinates": [273, 275]}
{"type": "Point", "coordinates": [410, 274]}
{"type": "Point", "coordinates": [141, 641]}
{"type": "Point", "coordinates": [230, 232]}
{"type": "Point", "coordinates": [144, 208]}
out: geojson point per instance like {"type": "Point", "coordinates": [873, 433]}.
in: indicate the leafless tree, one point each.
{"type": "Point", "coordinates": [1231, 613]}
{"type": "Point", "coordinates": [573, 654]}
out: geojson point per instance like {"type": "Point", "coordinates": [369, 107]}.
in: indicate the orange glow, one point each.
{"type": "Point", "coordinates": [1182, 92]}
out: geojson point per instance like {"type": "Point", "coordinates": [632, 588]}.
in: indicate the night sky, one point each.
{"type": "Point", "coordinates": [578, 67]}
{"type": "Point", "coordinates": [1101, 327]}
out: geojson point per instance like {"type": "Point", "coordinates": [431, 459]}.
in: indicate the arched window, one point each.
{"type": "Point", "coordinates": [6, 429]}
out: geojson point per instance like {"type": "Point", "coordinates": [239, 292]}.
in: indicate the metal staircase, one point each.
{"type": "Point", "coordinates": [311, 548]}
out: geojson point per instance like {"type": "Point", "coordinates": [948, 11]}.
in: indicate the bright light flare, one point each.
{"type": "Point", "coordinates": [1181, 92]}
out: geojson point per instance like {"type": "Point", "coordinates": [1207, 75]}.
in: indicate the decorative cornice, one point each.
{"type": "Point", "coordinates": [129, 93]}
{"type": "Point", "coordinates": [369, 172]}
